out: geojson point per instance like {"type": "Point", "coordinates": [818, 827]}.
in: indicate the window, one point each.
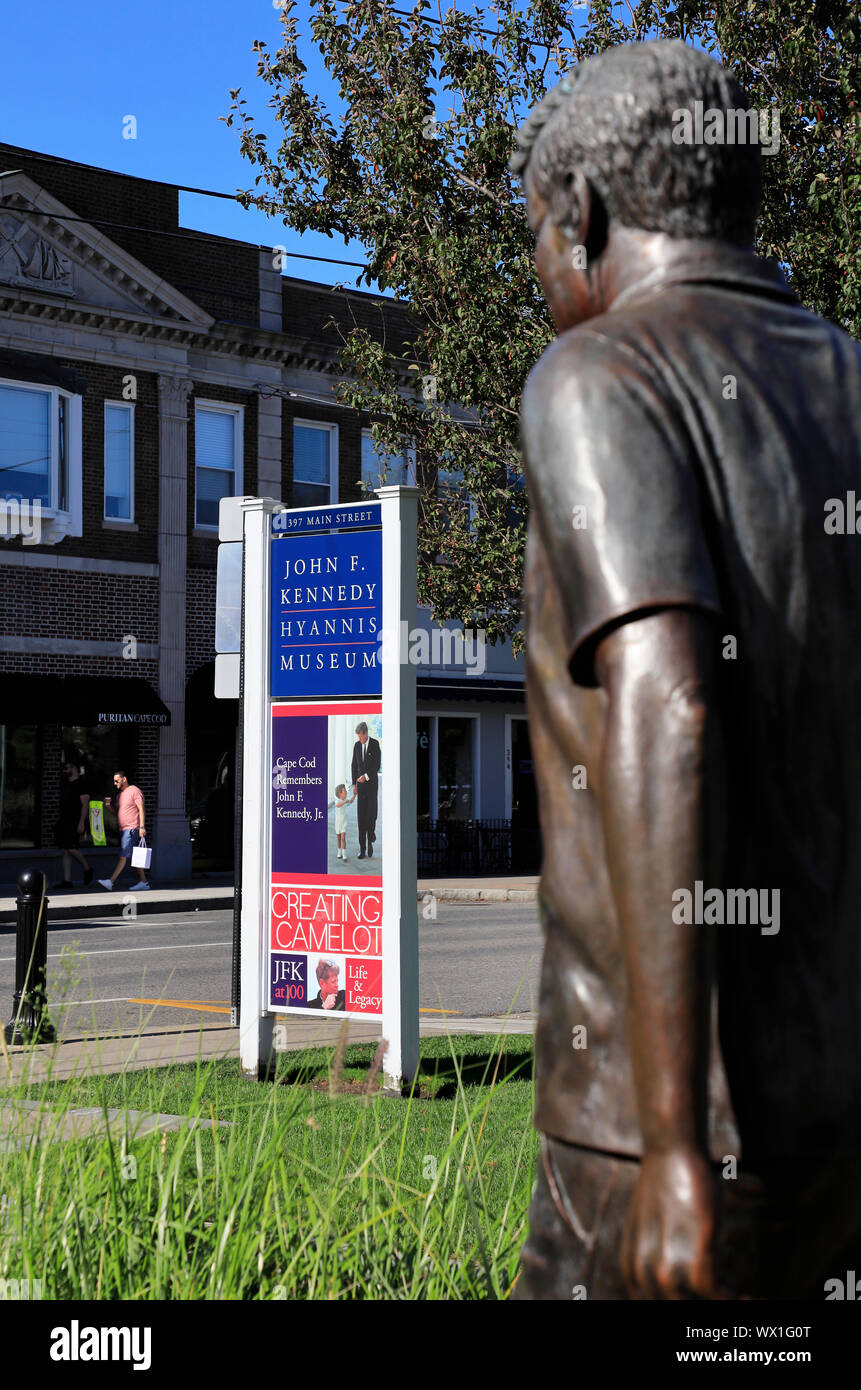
{"type": "Point", "coordinates": [516, 513]}
{"type": "Point", "coordinates": [446, 767]}
{"type": "Point", "coordinates": [423, 768]}
{"type": "Point", "coordinates": [451, 494]}
{"type": "Point", "coordinates": [217, 457]}
{"type": "Point", "coordinates": [386, 470]}
{"type": "Point", "coordinates": [20, 781]}
{"type": "Point", "coordinates": [456, 781]}
{"type": "Point", "coordinates": [40, 455]}
{"type": "Point", "coordinates": [99, 752]}
{"type": "Point", "coordinates": [315, 464]}
{"type": "Point", "coordinates": [119, 461]}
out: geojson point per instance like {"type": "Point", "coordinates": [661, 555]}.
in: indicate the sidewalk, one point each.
{"type": "Point", "coordinates": [216, 892]}
{"type": "Point", "coordinates": [160, 1047]}
{"type": "Point", "coordinates": [22, 1121]}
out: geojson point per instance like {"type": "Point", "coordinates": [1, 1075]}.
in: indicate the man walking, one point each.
{"type": "Point", "coordinates": [130, 814]}
{"type": "Point", "coordinates": [364, 772]}
{"type": "Point", "coordinates": [74, 806]}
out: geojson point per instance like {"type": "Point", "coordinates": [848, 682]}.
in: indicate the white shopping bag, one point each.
{"type": "Point", "coordinates": [141, 856]}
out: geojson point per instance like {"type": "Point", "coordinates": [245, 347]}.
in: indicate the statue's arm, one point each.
{"type": "Point", "coordinates": [663, 813]}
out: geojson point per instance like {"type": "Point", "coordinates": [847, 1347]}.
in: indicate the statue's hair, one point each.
{"type": "Point", "coordinates": [613, 119]}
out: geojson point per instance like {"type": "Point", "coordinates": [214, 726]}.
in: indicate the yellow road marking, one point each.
{"type": "Point", "coordinates": [185, 1004]}
{"type": "Point", "coordinates": [210, 1006]}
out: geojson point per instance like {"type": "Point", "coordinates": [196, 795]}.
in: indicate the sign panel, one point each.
{"type": "Point", "coordinates": [350, 516]}
{"type": "Point", "coordinates": [325, 902]}
{"type": "Point", "coordinates": [326, 613]}
{"type": "Point", "coordinates": [328, 768]}
{"type": "Point", "coordinates": [97, 822]}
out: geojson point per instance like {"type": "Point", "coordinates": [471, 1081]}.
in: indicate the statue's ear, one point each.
{"type": "Point", "coordinates": [584, 221]}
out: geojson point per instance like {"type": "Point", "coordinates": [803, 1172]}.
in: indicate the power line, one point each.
{"type": "Point", "coordinates": [488, 33]}
{"type": "Point", "coordinates": [181, 188]}
{"type": "Point", "coordinates": [195, 236]}
{"type": "Point", "coordinates": [32, 156]}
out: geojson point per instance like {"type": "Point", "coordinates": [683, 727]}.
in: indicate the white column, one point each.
{"type": "Point", "coordinates": [398, 784]}
{"type": "Point", "coordinates": [256, 1048]}
{"type": "Point", "coordinates": [171, 838]}
{"type": "Point", "coordinates": [270, 289]}
{"type": "Point", "coordinates": [269, 436]}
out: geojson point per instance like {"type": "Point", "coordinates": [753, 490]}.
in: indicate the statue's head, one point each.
{"type": "Point", "coordinates": [621, 142]}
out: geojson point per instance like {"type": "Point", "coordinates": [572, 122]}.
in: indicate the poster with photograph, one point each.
{"type": "Point", "coordinates": [325, 947]}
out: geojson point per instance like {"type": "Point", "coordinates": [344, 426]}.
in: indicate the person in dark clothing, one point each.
{"type": "Point", "coordinates": [74, 808]}
{"type": "Point", "coordinates": [364, 773]}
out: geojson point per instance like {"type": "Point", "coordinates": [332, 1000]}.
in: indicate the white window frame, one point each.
{"type": "Point", "coordinates": [434, 716]}
{"type": "Point", "coordinates": [68, 521]}
{"type": "Point", "coordinates": [333, 456]}
{"type": "Point", "coordinates": [120, 520]}
{"type": "Point", "coordinates": [238, 413]}
{"type": "Point", "coordinates": [510, 720]}
{"type": "Point", "coordinates": [409, 453]}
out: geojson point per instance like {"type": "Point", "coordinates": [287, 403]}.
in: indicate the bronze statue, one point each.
{"type": "Point", "coordinates": [694, 689]}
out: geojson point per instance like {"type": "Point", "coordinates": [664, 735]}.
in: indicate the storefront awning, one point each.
{"type": "Point", "coordinates": [469, 688]}
{"type": "Point", "coordinates": [89, 701]}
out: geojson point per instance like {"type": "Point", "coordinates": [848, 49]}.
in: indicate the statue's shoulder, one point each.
{"type": "Point", "coordinates": [567, 357]}
{"type": "Point", "coordinates": [580, 362]}
{"type": "Point", "coordinates": [577, 385]}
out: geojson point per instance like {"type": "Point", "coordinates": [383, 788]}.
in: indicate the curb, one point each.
{"type": "Point", "coordinates": [114, 904]}
{"type": "Point", "coordinates": [479, 895]}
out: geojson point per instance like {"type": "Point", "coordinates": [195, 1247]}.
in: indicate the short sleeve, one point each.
{"type": "Point", "coordinates": [613, 488]}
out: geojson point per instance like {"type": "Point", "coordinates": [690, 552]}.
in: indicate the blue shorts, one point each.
{"type": "Point", "coordinates": [128, 841]}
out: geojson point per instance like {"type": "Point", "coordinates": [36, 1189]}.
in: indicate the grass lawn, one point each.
{"type": "Point", "coordinates": [320, 1187]}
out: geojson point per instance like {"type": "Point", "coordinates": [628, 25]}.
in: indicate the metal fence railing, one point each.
{"type": "Point", "coordinates": [448, 848]}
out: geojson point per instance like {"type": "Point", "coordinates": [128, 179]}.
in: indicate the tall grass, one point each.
{"type": "Point", "coordinates": [305, 1194]}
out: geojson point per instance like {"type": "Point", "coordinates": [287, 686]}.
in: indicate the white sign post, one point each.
{"type": "Point", "coordinates": [256, 1043]}
{"type": "Point", "coordinates": [399, 507]}
{"type": "Point", "coordinates": [397, 517]}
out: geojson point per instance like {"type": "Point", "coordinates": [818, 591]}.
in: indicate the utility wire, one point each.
{"type": "Point", "coordinates": [181, 188]}
{"type": "Point", "coordinates": [489, 33]}
{"type": "Point", "coordinates": [194, 236]}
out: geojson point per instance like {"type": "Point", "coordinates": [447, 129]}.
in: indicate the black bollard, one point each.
{"type": "Point", "coordinates": [29, 1002]}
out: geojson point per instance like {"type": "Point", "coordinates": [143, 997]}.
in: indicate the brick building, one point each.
{"type": "Point", "coordinates": [145, 371]}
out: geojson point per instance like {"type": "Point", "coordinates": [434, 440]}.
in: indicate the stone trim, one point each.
{"type": "Point", "coordinates": [66, 646]}
{"type": "Point", "coordinates": [80, 563]}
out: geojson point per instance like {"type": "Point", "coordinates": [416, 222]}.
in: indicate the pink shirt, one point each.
{"type": "Point", "coordinates": [127, 815]}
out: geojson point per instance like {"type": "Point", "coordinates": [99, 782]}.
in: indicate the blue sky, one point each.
{"type": "Point", "coordinates": [72, 72]}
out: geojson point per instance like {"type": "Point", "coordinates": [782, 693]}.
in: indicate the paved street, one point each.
{"type": "Point", "coordinates": [475, 960]}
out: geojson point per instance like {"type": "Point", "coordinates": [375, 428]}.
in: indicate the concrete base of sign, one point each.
{"type": "Point", "coordinates": [257, 1054]}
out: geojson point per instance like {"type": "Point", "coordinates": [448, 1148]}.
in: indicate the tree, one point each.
{"type": "Point", "coordinates": [442, 221]}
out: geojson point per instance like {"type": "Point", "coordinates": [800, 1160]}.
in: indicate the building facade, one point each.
{"type": "Point", "coordinates": [145, 372]}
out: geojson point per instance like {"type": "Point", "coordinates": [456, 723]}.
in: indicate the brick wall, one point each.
{"type": "Point", "coordinates": [105, 384]}
{"type": "Point", "coordinates": [224, 273]}
{"type": "Point", "coordinates": [69, 604]}
{"type": "Point", "coordinates": [308, 309]}
{"type": "Point", "coordinates": [199, 619]}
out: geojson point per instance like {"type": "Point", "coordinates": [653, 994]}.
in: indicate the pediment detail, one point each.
{"type": "Point", "coordinates": [46, 252]}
